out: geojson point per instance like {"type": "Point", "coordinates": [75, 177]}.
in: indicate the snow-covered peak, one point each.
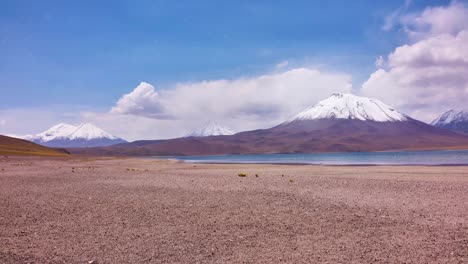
{"type": "Point", "coordinates": [451, 116]}
{"type": "Point", "coordinates": [349, 106]}
{"type": "Point", "coordinates": [64, 131]}
{"type": "Point", "coordinates": [89, 131]}
{"type": "Point", "coordinates": [61, 130]}
{"type": "Point", "coordinates": [212, 128]}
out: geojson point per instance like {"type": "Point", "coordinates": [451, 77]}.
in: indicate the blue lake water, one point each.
{"type": "Point", "coordinates": [446, 157]}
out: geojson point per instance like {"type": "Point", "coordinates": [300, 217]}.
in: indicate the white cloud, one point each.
{"type": "Point", "coordinates": [439, 51]}
{"type": "Point", "coordinates": [143, 100]}
{"type": "Point", "coordinates": [432, 21]}
{"type": "Point", "coordinates": [273, 95]}
{"type": "Point", "coordinates": [282, 64]}
{"type": "Point", "coordinates": [132, 127]}
{"type": "Point", "coordinates": [430, 75]}
{"type": "Point", "coordinates": [150, 128]}
{"type": "Point", "coordinates": [437, 20]}
{"type": "Point", "coordinates": [394, 18]}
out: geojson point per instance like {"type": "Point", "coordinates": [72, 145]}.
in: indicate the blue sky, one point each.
{"type": "Point", "coordinates": [84, 56]}
{"type": "Point", "coordinates": [91, 52]}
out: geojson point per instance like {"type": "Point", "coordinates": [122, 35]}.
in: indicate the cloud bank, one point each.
{"type": "Point", "coordinates": [243, 103]}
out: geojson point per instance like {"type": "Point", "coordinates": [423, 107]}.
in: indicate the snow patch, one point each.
{"type": "Point", "coordinates": [89, 131]}
{"type": "Point", "coordinates": [59, 131]}
{"type": "Point", "coordinates": [212, 128]}
{"type": "Point", "coordinates": [450, 117]}
{"type": "Point", "coordinates": [64, 131]}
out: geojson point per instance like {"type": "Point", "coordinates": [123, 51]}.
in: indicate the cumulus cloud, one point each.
{"type": "Point", "coordinates": [143, 100]}
{"type": "Point", "coordinates": [439, 51]}
{"type": "Point", "coordinates": [428, 76]}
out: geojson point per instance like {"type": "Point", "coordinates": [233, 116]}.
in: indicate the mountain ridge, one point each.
{"type": "Point", "coordinates": [352, 127]}
{"type": "Point", "coordinates": [455, 120]}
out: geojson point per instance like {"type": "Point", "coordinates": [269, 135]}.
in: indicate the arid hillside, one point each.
{"type": "Point", "coordinates": [15, 146]}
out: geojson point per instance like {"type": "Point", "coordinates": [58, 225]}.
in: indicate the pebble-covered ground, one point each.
{"type": "Point", "coordinates": [150, 211]}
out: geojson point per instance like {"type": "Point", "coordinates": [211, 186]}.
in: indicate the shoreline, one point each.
{"type": "Point", "coordinates": [434, 158]}
{"type": "Point", "coordinates": [332, 165]}
{"type": "Point", "coordinates": [176, 160]}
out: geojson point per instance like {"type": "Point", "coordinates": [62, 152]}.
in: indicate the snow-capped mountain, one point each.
{"type": "Point", "coordinates": [212, 128]}
{"type": "Point", "coordinates": [349, 106]}
{"type": "Point", "coordinates": [456, 120]}
{"type": "Point", "coordinates": [69, 136]}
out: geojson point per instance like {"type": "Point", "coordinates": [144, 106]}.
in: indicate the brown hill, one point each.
{"type": "Point", "coordinates": [15, 146]}
{"type": "Point", "coordinates": [301, 136]}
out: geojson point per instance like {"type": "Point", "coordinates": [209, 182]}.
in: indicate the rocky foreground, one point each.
{"type": "Point", "coordinates": [105, 210]}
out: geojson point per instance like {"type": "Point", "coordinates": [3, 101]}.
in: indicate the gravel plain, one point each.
{"type": "Point", "coordinates": [130, 210]}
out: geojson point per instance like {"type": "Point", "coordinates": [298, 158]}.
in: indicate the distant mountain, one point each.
{"type": "Point", "coordinates": [58, 131]}
{"type": "Point", "coordinates": [456, 120]}
{"type": "Point", "coordinates": [69, 136]}
{"type": "Point", "coordinates": [16, 146]}
{"type": "Point", "coordinates": [340, 123]}
{"type": "Point", "coordinates": [212, 128]}
{"type": "Point", "coordinates": [348, 106]}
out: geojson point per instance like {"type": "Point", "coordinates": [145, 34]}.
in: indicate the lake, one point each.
{"type": "Point", "coordinates": [445, 157]}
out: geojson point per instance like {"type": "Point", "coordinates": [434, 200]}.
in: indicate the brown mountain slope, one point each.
{"type": "Point", "coordinates": [15, 146]}
{"type": "Point", "coordinates": [305, 136]}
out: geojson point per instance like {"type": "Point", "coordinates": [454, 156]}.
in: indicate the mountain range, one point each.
{"type": "Point", "coordinates": [342, 122]}
{"type": "Point", "coordinates": [69, 136]}
{"type": "Point", "coordinates": [456, 120]}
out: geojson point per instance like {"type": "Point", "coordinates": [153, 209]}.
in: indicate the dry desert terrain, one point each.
{"type": "Point", "coordinates": [109, 210]}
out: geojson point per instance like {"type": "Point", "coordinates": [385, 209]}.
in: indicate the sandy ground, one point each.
{"type": "Point", "coordinates": [150, 211]}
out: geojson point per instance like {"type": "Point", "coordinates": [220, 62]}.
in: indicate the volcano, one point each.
{"type": "Point", "coordinates": [69, 136]}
